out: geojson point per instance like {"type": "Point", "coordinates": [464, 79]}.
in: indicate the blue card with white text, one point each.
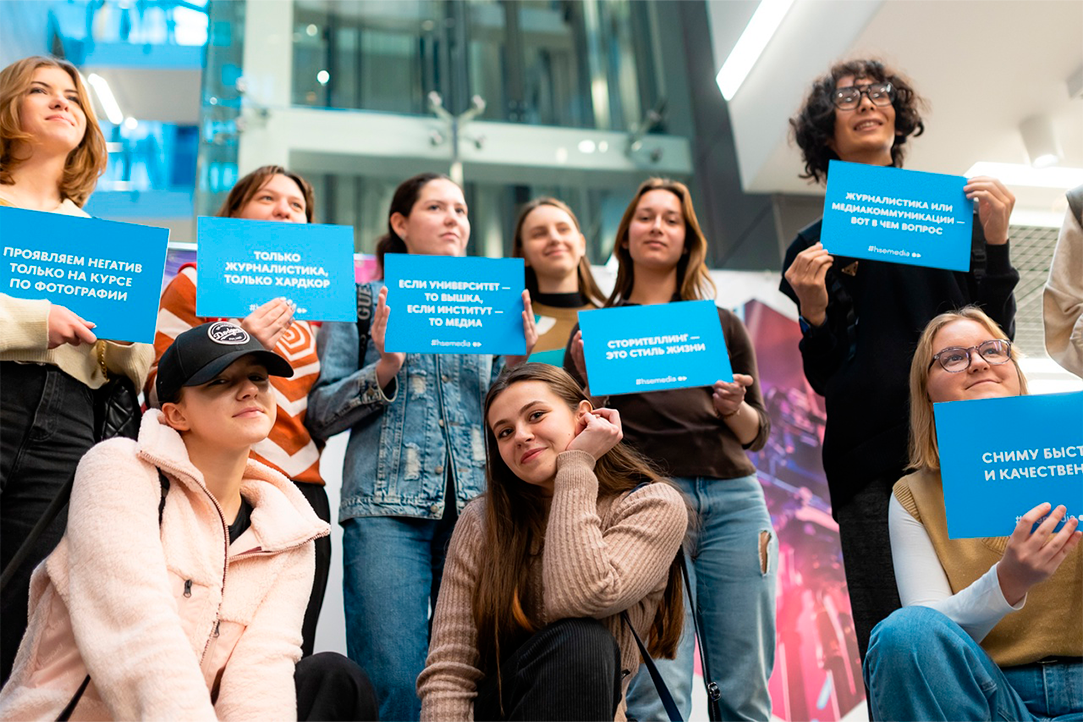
{"type": "Point", "coordinates": [896, 215]}
{"type": "Point", "coordinates": [452, 304]}
{"type": "Point", "coordinates": [106, 272]}
{"type": "Point", "coordinates": [243, 264]}
{"type": "Point", "coordinates": [632, 349]}
{"type": "Point", "coordinates": [1001, 457]}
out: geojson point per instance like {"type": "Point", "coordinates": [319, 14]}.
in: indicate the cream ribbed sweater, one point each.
{"type": "Point", "coordinates": [600, 557]}
{"type": "Point", "coordinates": [24, 336]}
{"type": "Point", "coordinates": [1062, 302]}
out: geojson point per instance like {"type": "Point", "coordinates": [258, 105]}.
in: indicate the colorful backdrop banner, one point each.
{"type": "Point", "coordinates": [902, 216]}
{"type": "Point", "coordinates": [1000, 458]}
{"type": "Point", "coordinates": [244, 264]}
{"type": "Point", "coordinates": [632, 349]}
{"type": "Point", "coordinates": [108, 273]}
{"type": "Point", "coordinates": [448, 304]}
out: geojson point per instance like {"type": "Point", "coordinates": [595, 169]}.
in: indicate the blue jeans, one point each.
{"type": "Point", "coordinates": [734, 590]}
{"type": "Point", "coordinates": [923, 666]}
{"type": "Point", "coordinates": [392, 572]}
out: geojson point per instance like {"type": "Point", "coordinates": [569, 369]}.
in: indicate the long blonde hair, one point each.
{"type": "Point", "coordinates": [924, 451]}
{"type": "Point", "coordinates": [693, 281]}
{"type": "Point", "coordinates": [84, 164]}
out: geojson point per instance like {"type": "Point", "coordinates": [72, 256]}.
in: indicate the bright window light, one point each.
{"type": "Point", "coordinates": [105, 96]}
{"type": "Point", "coordinates": [761, 28]}
{"type": "Point", "coordinates": [1019, 174]}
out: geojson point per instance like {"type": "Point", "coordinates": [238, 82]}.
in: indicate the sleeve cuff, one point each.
{"type": "Point", "coordinates": [575, 457]}
{"type": "Point", "coordinates": [372, 393]}
{"type": "Point", "coordinates": [998, 259]}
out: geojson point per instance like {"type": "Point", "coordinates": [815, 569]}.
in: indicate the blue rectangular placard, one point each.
{"type": "Point", "coordinates": [902, 216]}
{"type": "Point", "coordinates": [632, 349]}
{"type": "Point", "coordinates": [1000, 458]}
{"type": "Point", "coordinates": [450, 304]}
{"type": "Point", "coordinates": [244, 264]}
{"type": "Point", "coordinates": [108, 273]}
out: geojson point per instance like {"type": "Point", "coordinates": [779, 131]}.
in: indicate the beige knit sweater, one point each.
{"type": "Point", "coordinates": [600, 557]}
{"type": "Point", "coordinates": [24, 336]}
{"type": "Point", "coordinates": [1062, 301]}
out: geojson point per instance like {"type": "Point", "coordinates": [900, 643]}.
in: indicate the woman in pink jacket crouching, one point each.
{"type": "Point", "coordinates": [181, 582]}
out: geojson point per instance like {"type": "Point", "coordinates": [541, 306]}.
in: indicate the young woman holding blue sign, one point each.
{"type": "Point", "coordinates": [699, 436]}
{"type": "Point", "coordinates": [51, 154]}
{"type": "Point", "coordinates": [861, 319]}
{"type": "Point", "coordinates": [574, 540]}
{"type": "Point", "coordinates": [991, 628]}
{"type": "Point", "coordinates": [269, 193]}
{"type": "Point", "coordinates": [416, 453]}
{"type": "Point", "coordinates": [558, 277]}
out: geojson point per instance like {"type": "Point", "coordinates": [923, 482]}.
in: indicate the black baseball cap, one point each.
{"type": "Point", "coordinates": [201, 353]}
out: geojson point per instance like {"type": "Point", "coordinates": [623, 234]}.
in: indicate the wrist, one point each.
{"type": "Point", "coordinates": [813, 318]}
{"type": "Point", "coordinates": [729, 414]}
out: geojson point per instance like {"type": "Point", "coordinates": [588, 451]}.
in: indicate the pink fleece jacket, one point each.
{"type": "Point", "coordinates": [172, 622]}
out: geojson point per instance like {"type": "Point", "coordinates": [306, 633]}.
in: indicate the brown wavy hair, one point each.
{"type": "Point", "coordinates": [814, 124]}
{"type": "Point", "coordinates": [924, 451]}
{"type": "Point", "coordinates": [84, 164]}
{"type": "Point", "coordinates": [588, 287]}
{"type": "Point", "coordinates": [693, 281]}
{"type": "Point", "coordinates": [247, 187]}
{"type": "Point", "coordinates": [402, 202]}
{"type": "Point", "coordinates": [515, 516]}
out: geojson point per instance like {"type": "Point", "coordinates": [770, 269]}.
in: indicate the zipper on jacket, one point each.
{"type": "Point", "coordinates": [188, 587]}
{"type": "Point", "coordinates": [217, 625]}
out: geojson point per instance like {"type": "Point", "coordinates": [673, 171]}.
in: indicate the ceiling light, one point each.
{"type": "Point", "coordinates": [1020, 174]}
{"type": "Point", "coordinates": [106, 98]}
{"type": "Point", "coordinates": [750, 45]}
{"type": "Point", "coordinates": [323, 76]}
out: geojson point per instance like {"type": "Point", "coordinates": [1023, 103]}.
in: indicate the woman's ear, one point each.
{"type": "Point", "coordinates": [398, 224]}
{"type": "Point", "coordinates": [584, 408]}
{"type": "Point", "coordinates": [175, 417]}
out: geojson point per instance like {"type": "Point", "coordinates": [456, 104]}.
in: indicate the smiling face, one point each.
{"type": "Point", "coordinates": [552, 245]}
{"type": "Point", "coordinates": [235, 409]}
{"type": "Point", "coordinates": [279, 199]}
{"type": "Point", "coordinates": [866, 133]}
{"type": "Point", "coordinates": [657, 230]}
{"type": "Point", "coordinates": [51, 111]}
{"type": "Point", "coordinates": [437, 224]}
{"type": "Point", "coordinates": [981, 379]}
{"type": "Point", "coordinates": [532, 426]}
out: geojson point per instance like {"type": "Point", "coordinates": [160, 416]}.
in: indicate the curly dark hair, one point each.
{"type": "Point", "coordinates": [814, 124]}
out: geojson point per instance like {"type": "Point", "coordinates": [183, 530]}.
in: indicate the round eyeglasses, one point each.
{"type": "Point", "coordinates": [955, 359]}
{"type": "Point", "coordinates": [849, 97]}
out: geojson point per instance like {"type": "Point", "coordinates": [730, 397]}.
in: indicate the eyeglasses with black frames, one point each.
{"type": "Point", "coordinates": [849, 97]}
{"type": "Point", "coordinates": [955, 359]}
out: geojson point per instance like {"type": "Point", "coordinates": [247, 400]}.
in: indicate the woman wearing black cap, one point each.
{"type": "Point", "coordinates": [180, 585]}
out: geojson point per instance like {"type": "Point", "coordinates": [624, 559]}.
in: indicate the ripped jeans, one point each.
{"type": "Point", "coordinates": [734, 565]}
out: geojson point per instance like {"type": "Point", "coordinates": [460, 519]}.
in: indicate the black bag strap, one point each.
{"type": "Point", "coordinates": [364, 320]}
{"type": "Point", "coordinates": [713, 691]}
{"type": "Point", "coordinates": [1075, 202]}
{"type": "Point", "coordinates": [659, 683]}
{"type": "Point", "coordinates": [65, 714]}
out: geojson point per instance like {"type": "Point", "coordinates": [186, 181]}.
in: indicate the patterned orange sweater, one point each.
{"type": "Point", "coordinates": [289, 447]}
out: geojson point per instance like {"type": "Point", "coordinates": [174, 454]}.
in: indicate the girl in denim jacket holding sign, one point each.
{"type": "Point", "coordinates": [416, 453]}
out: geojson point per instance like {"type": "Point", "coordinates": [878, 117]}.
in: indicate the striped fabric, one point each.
{"type": "Point", "coordinates": [289, 448]}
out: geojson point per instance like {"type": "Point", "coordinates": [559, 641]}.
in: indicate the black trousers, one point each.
{"type": "Point", "coordinates": [570, 670]}
{"type": "Point", "coordinates": [46, 425]}
{"type": "Point", "coordinates": [330, 687]}
{"type": "Point", "coordinates": [866, 555]}
{"type": "Point", "coordinates": [316, 495]}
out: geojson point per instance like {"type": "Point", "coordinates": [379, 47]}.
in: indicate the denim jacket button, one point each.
{"type": "Point", "coordinates": [440, 422]}
{"type": "Point", "coordinates": [435, 508]}
{"type": "Point", "coordinates": [439, 470]}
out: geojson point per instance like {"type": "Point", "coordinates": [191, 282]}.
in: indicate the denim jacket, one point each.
{"type": "Point", "coordinates": [400, 442]}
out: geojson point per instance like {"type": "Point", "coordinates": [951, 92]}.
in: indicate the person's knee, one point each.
{"type": "Point", "coordinates": [333, 686]}
{"type": "Point", "coordinates": [910, 634]}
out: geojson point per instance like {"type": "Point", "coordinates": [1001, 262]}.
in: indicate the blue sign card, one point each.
{"type": "Point", "coordinates": [451, 304]}
{"type": "Point", "coordinates": [902, 216]}
{"type": "Point", "coordinates": [108, 273]}
{"type": "Point", "coordinates": [632, 349]}
{"type": "Point", "coordinates": [244, 264]}
{"type": "Point", "coordinates": [1000, 458]}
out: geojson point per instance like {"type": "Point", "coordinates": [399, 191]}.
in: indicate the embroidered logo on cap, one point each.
{"type": "Point", "coordinates": [227, 334]}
